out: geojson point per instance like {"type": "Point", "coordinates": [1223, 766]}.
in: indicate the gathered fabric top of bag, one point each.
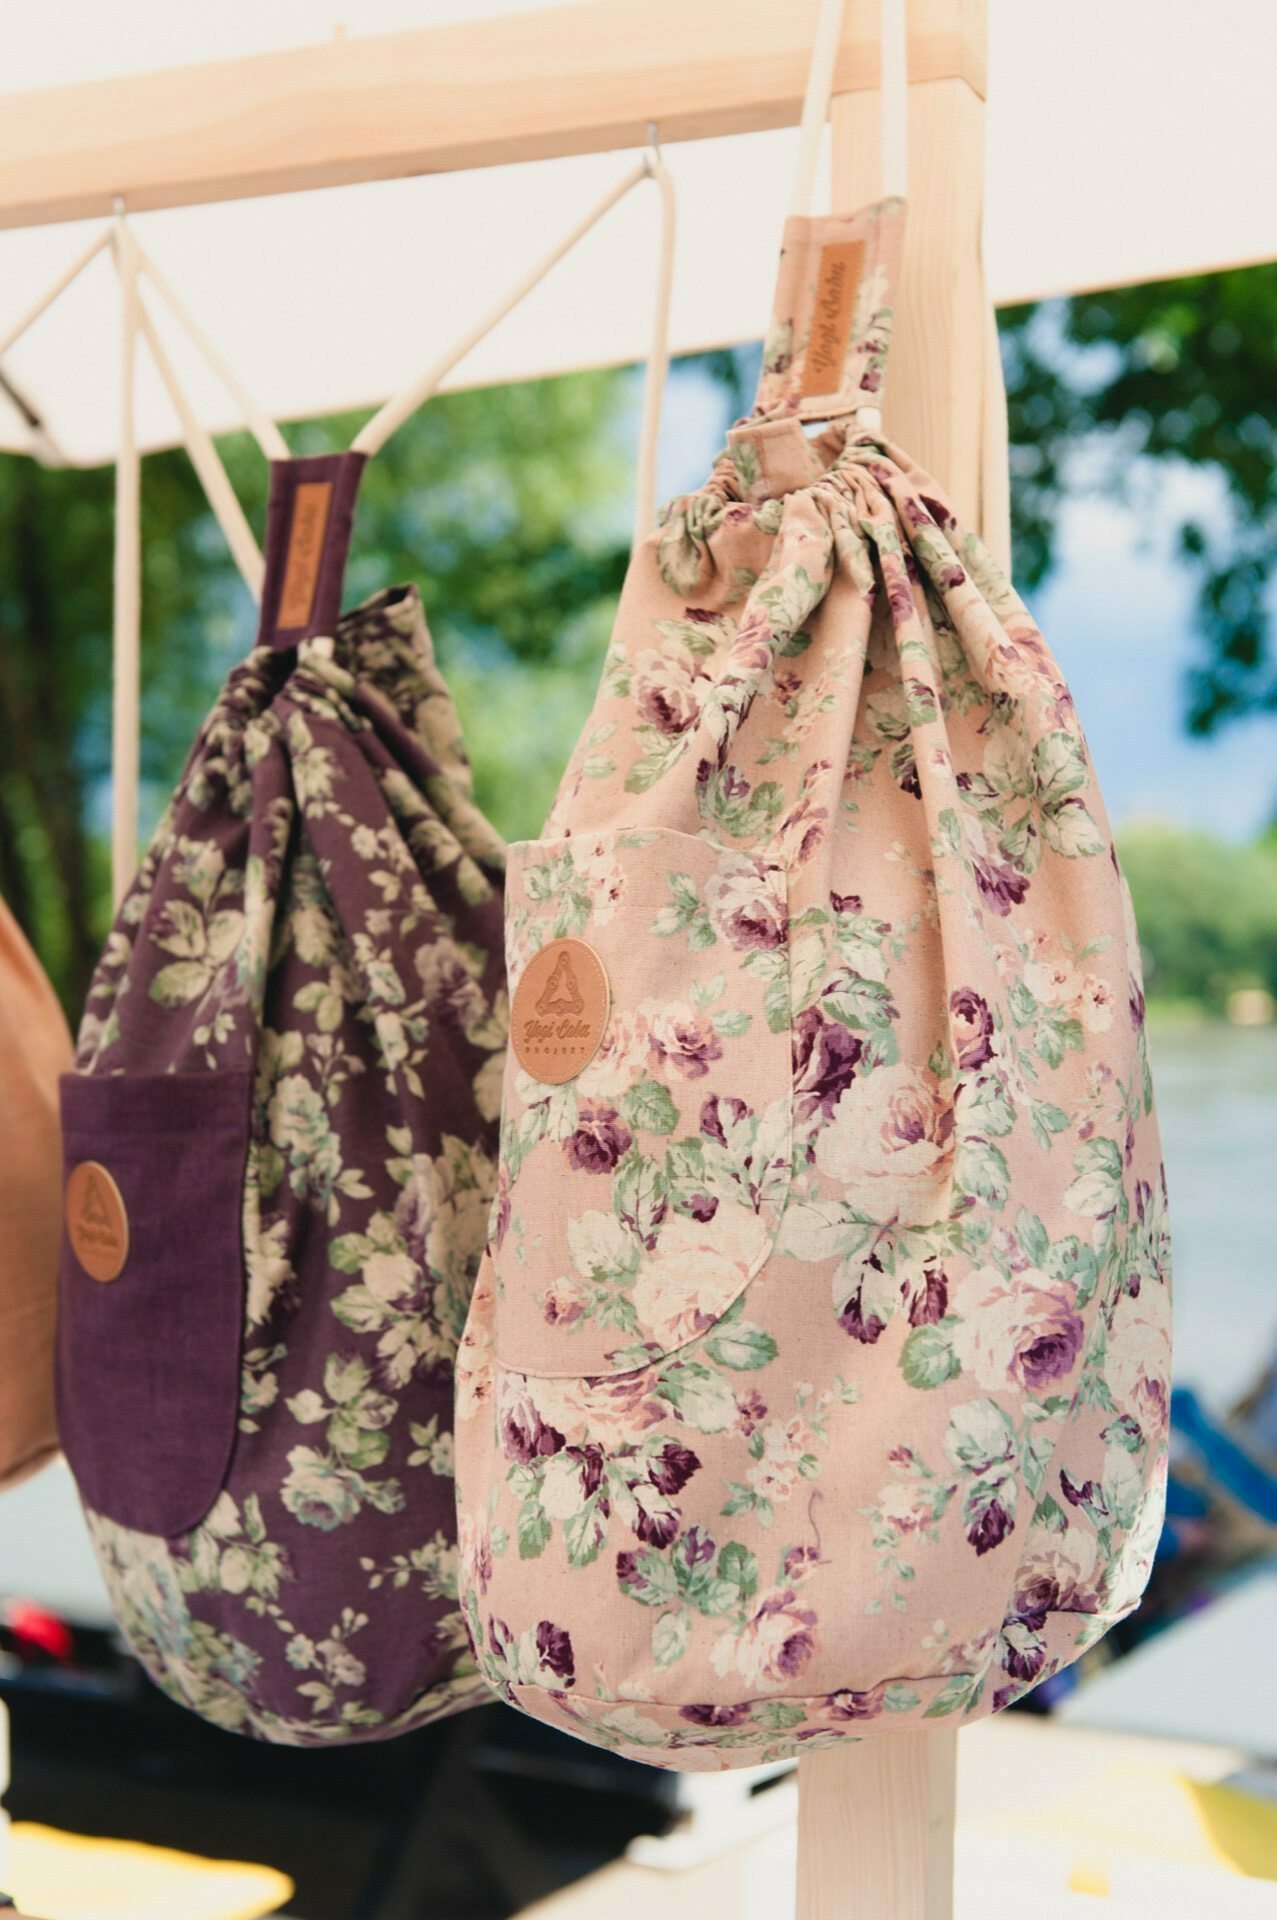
{"type": "Point", "coordinates": [816, 1380]}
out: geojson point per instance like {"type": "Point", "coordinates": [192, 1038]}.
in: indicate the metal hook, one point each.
{"type": "Point", "coordinates": [652, 156]}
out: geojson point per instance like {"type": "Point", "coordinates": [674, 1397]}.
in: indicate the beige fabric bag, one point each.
{"type": "Point", "coordinates": [35, 1047]}
{"type": "Point", "coordinates": [815, 1385]}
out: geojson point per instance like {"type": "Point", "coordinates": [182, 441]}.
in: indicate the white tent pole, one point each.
{"type": "Point", "coordinates": [374, 435]}
{"type": "Point", "coordinates": [207, 463]}
{"type": "Point", "coordinates": [126, 649]}
{"type": "Point", "coordinates": [50, 294]}
{"type": "Point", "coordinates": [263, 428]}
{"type": "Point", "coordinates": [658, 354]}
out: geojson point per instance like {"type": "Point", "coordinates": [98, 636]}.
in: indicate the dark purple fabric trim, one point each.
{"type": "Point", "coordinates": [148, 1371]}
{"type": "Point", "coordinates": [344, 471]}
{"type": "Point", "coordinates": [154, 1102]}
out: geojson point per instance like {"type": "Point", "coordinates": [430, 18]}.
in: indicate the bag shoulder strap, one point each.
{"type": "Point", "coordinates": [826, 349]}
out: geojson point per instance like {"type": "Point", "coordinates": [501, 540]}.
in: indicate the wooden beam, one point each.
{"type": "Point", "coordinates": [529, 86]}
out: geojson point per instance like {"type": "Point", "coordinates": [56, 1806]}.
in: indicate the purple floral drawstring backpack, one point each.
{"type": "Point", "coordinates": [815, 1384]}
{"type": "Point", "coordinates": [280, 1153]}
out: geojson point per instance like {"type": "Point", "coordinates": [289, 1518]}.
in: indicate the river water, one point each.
{"type": "Point", "coordinates": [1217, 1101]}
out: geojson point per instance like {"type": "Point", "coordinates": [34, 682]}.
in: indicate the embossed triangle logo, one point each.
{"type": "Point", "coordinates": [97, 1221]}
{"type": "Point", "coordinates": [562, 994]}
{"type": "Point", "coordinates": [560, 1011]}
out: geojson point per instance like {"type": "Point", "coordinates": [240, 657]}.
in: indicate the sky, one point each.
{"type": "Point", "coordinates": [1117, 613]}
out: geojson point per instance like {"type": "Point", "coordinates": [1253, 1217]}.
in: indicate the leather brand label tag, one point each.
{"type": "Point", "coordinates": [311, 505]}
{"type": "Point", "coordinates": [97, 1221]}
{"type": "Point", "coordinates": [831, 317]}
{"type": "Point", "coordinates": [560, 1011]}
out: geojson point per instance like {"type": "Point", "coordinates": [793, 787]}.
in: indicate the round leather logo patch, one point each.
{"type": "Point", "coordinates": [97, 1221]}
{"type": "Point", "coordinates": [560, 1011]}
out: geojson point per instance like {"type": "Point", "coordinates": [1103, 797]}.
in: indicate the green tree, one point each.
{"type": "Point", "coordinates": [1114, 390]}
{"type": "Point", "coordinates": [506, 506]}
{"type": "Point", "coordinates": [1207, 912]}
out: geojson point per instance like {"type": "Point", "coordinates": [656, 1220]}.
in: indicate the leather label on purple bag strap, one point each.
{"type": "Point", "coordinates": [831, 317]}
{"type": "Point", "coordinates": [97, 1221]}
{"type": "Point", "coordinates": [311, 506]}
{"type": "Point", "coordinates": [560, 1011]}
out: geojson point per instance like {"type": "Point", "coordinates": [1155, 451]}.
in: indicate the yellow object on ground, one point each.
{"type": "Point", "coordinates": [66, 1876]}
{"type": "Point", "coordinates": [1130, 1811]}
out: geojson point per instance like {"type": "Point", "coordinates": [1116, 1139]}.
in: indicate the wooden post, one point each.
{"type": "Point", "coordinates": [875, 1829]}
{"type": "Point", "coordinates": [876, 1816]}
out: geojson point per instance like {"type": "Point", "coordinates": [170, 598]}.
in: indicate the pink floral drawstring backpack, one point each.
{"type": "Point", "coordinates": [815, 1383]}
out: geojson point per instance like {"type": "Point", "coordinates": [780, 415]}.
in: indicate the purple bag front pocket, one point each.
{"type": "Point", "coordinates": [151, 1291]}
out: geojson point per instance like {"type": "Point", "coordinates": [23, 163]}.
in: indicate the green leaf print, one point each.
{"type": "Point", "coordinates": [1096, 1192]}
{"type": "Point", "coordinates": [955, 1695]}
{"type": "Point", "coordinates": [742, 1347]}
{"type": "Point", "coordinates": [927, 1358]}
{"type": "Point", "coordinates": [1035, 1242]}
{"type": "Point", "coordinates": [1059, 767]}
{"type": "Point", "coordinates": [649, 1108]}
{"type": "Point", "coordinates": [670, 1635]}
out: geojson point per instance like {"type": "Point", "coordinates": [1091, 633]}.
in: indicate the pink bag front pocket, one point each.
{"type": "Point", "coordinates": [646, 1131]}
{"type": "Point", "coordinates": [151, 1291]}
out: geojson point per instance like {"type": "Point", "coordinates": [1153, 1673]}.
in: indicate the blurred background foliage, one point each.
{"type": "Point", "coordinates": [509, 508]}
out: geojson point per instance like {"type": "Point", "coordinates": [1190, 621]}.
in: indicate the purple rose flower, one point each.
{"type": "Point", "coordinates": [930, 1301]}
{"type": "Point", "coordinates": [673, 1467]}
{"type": "Point", "coordinates": [711, 1716]}
{"type": "Point", "coordinates": [697, 1547]}
{"type": "Point", "coordinates": [655, 1526]}
{"type": "Point", "coordinates": [711, 1116]}
{"type": "Point", "coordinates": [990, 1527]}
{"type": "Point", "coordinates": [1001, 887]}
{"type": "Point", "coordinates": [554, 1645]}
{"type": "Point", "coordinates": [847, 1704]}
{"type": "Point", "coordinates": [1053, 1355]}
{"type": "Point", "coordinates": [825, 1058]}
{"type": "Point", "coordinates": [687, 1045]}
{"type": "Point", "coordinates": [971, 1024]}
{"type": "Point", "coordinates": [600, 1140]}
{"type": "Point", "coordinates": [525, 1436]}
{"type": "Point", "coordinates": [862, 1326]}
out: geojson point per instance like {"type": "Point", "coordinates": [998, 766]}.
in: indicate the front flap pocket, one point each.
{"type": "Point", "coordinates": [151, 1290]}
{"type": "Point", "coordinates": [646, 1118]}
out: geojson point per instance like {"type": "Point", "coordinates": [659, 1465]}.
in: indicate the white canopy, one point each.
{"type": "Point", "coordinates": [1126, 142]}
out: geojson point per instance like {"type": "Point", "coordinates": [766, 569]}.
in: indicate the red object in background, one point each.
{"type": "Point", "coordinates": [35, 1631]}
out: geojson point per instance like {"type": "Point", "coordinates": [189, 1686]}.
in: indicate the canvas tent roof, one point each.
{"type": "Point", "coordinates": [1124, 143]}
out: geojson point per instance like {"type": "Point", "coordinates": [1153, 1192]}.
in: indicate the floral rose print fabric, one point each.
{"type": "Point", "coordinates": [317, 925]}
{"type": "Point", "coordinates": [821, 1393]}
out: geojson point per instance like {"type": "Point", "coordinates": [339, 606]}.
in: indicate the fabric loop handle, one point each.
{"type": "Point", "coordinates": [894, 84]}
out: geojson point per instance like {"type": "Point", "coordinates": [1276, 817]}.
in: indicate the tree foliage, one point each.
{"type": "Point", "coordinates": [1207, 912]}
{"type": "Point", "coordinates": [1117, 390]}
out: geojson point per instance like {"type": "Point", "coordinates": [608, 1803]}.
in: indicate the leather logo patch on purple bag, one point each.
{"type": "Point", "coordinates": [97, 1221]}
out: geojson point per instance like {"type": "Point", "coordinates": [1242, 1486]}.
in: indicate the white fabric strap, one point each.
{"type": "Point", "coordinates": [373, 436]}
{"type": "Point", "coordinates": [894, 83]}
{"type": "Point", "coordinates": [895, 100]}
{"type": "Point", "coordinates": [126, 691]}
